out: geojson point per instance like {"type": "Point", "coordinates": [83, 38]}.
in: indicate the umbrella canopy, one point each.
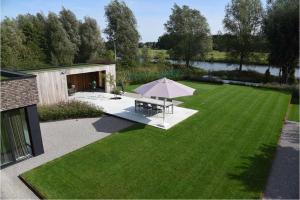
{"type": "Point", "coordinates": [165, 88]}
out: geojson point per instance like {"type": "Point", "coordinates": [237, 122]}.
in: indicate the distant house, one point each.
{"type": "Point", "coordinates": [56, 84]}
{"type": "Point", "coordinates": [20, 128]}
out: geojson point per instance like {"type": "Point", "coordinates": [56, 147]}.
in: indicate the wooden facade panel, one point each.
{"type": "Point", "coordinates": [53, 84]}
{"type": "Point", "coordinates": [52, 87]}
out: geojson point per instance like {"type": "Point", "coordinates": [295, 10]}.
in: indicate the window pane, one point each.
{"type": "Point", "coordinates": [25, 129]}
{"type": "Point", "coordinates": [6, 151]}
{"type": "Point", "coordinates": [19, 130]}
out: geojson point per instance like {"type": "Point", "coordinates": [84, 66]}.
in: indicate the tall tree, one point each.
{"type": "Point", "coordinates": [243, 20]}
{"type": "Point", "coordinates": [91, 43]}
{"type": "Point", "coordinates": [122, 30]}
{"type": "Point", "coordinates": [281, 27]}
{"type": "Point", "coordinates": [71, 26]}
{"type": "Point", "coordinates": [34, 38]}
{"type": "Point", "coordinates": [190, 33]}
{"type": "Point", "coordinates": [62, 49]}
{"type": "Point", "coordinates": [13, 50]}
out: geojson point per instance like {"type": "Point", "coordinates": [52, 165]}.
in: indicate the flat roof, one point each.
{"type": "Point", "coordinates": [64, 67]}
{"type": "Point", "coordinates": [12, 75]}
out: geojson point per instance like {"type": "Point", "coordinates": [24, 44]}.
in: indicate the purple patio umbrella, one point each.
{"type": "Point", "coordinates": [165, 88]}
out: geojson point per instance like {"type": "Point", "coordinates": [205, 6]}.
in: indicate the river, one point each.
{"type": "Point", "coordinates": [216, 66]}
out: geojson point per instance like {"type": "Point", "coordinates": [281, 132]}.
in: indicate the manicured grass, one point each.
{"type": "Point", "coordinates": [293, 114]}
{"type": "Point", "coordinates": [223, 151]}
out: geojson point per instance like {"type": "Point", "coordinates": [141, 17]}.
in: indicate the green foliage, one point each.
{"type": "Point", "coordinates": [161, 57]}
{"type": "Point", "coordinates": [35, 38]}
{"type": "Point", "coordinates": [12, 47]}
{"type": "Point", "coordinates": [36, 41]}
{"type": "Point", "coordinates": [122, 30]}
{"type": "Point", "coordinates": [281, 27]}
{"type": "Point", "coordinates": [222, 42]}
{"type": "Point", "coordinates": [166, 41]}
{"type": "Point", "coordinates": [243, 20]}
{"type": "Point", "coordinates": [224, 151]}
{"type": "Point", "coordinates": [245, 76]}
{"type": "Point", "coordinates": [145, 55]}
{"type": "Point", "coordinates": [91, 43]}
{"type": "Point", "coordinates": [71, 26]}
{"type": "Point", "coordinates": [153, 72]}
{"type": "Point", "coordinates": [62, 49]}
{"type": "Point", "coordinates": [189, 33]}
{"type": "Point", "coordinates": [69, 110]}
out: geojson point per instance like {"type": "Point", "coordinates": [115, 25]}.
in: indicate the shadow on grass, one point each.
{"type": "Point", "coordinates": [254, 170]}
{"type": "Point", "coordinates": [284, 179]}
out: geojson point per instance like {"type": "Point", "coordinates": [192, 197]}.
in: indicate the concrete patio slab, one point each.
{"type": "Point", "coordinates": [59, 138]}
{"type": "Point", "coordinates": [124, 108]}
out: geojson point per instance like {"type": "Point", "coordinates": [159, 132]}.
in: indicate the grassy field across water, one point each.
{"type": "Point", "coordinates": [223, 151]}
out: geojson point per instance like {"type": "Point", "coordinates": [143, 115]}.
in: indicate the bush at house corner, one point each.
{"type": "Point", "coordinates": [68, 110]}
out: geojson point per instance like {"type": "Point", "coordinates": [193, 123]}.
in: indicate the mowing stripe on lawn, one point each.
{"type": "Point", "coordinates": [198, 158]}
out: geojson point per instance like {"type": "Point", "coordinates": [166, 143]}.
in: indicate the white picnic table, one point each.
{"type": "Point", "coordinates": [161, 103]}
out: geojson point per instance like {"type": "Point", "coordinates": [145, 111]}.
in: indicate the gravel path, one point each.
{"type": "Point", "coordinates": [283, 182]}
{"type": "Point", "coordinates": [59, 138]}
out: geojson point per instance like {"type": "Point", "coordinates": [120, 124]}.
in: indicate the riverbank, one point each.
{"type": "Point", "coordinates": [256, 58]}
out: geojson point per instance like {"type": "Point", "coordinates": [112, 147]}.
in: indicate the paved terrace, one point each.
{"type": "Point", "coordinates": [124, 108]}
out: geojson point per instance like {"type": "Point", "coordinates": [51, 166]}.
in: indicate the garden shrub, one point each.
{"type": "Point", "coordinates": [245, 76]}
{"type": "Point", "coordinates": [151, 72]}
{"type": "Point", "coordinates": [68, 110]}
{"type": "Point", "coordinates": [206, 79]}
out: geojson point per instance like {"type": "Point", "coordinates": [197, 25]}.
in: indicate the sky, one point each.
{"type": "Point", "coordinates": [150, 14]}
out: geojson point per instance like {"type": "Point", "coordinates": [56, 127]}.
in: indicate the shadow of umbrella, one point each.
{"type": "Point", "coordinates": [111, 124]}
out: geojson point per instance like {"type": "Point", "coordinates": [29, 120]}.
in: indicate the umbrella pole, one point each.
{"type": "Point", "coordinates": [164, 111]}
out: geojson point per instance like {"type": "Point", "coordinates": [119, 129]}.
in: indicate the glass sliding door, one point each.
{"type": "Point", "coordinates": [6, 150]}
{"type": "Point", "coordinates": [15, 129]}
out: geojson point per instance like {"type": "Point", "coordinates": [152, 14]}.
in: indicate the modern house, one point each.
{"type": "Point", "coordinates": [20, 129]}
{"type": "Point", "coordinates": [56, 84]}
{"type": "Point", "coordinates": [21, 92]}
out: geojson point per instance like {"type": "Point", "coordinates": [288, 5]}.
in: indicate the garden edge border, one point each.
{"type": "Point", "coordinates": [34, 190]}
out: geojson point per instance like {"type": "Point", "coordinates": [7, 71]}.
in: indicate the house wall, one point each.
{"type": "Point", "coordinates": [16, 93]}
{"type": "Point", "coordinates": [52, 84]}
{"type": "Point", "coordinates": [22, 92]}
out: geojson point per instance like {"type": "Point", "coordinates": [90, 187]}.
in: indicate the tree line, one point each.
{"type": "Point", "coordinates": [248, 28]}
{"type": "Point", "coordinates": [35, 40]}
{"type": "Point", "coordinates": [30, 41]}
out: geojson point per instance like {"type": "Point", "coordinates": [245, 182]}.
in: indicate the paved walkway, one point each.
{"type": "Point", "coordinates": [283, 182]}
{"type": "Point", "coordinates": [59, 138]}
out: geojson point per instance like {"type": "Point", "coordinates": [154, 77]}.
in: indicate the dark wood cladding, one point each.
{"type": "Point", "coordinates": [16, 93]}
{"type": "Point", "coordinates": [83, 81]}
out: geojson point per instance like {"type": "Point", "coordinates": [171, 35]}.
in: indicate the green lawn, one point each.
{"type": "Point", "coordinates": [293, 114]}
{"type": "Point", "coordinates": [223, 151]}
